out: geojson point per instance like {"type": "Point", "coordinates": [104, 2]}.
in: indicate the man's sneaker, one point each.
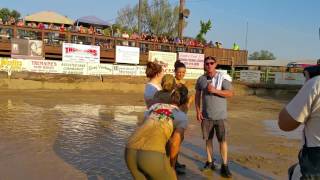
{"type": "Point", "coordinates": [209, 165]}
{"type": "Point", "coordinates": [225, 172]}
{"type": "Point", "coordinates": [178, 165]}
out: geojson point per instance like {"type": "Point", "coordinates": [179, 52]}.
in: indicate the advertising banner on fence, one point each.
{"type": "Point", "coordinates": [10, 65]}
{"type": "Point", "coordinates": [289, 78]}
{"type": "Point", "coordinates": [74, 68]}
{"type": "Point", "coordinates": [193, 73]}
{"type": "Point", "coordinates": [141, 70]}
{"type": "Point", "coordinates": [128, 55]}
{"type": "Point", "coordinates": [42, 66]}
{"type": "Point", "coordinates": [24, 48]}
{"type": "Point", "coordinates": [166, 58]}
{"type": "Point", "coordinates": [99, 69]}
{"type": "Point", "coordinates": [192, 60]}
{"type": "Point", "coordinates": [250, 76]}
{"type": "Point", "coordinates": [80, 53]}
{"type": "Point", "coordinates": [124, 70]}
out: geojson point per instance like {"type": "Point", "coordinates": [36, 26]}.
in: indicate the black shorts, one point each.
{"type": "Point", "coordinates": [210, 126]}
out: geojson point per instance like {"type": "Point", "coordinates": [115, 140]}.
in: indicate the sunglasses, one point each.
{"type": "Point", "coordinates": [210, 63]}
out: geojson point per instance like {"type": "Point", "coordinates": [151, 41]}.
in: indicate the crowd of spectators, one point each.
{"type": "Point", "coordinates": [127, 38]}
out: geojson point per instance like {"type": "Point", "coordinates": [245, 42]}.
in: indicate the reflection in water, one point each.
{"type": "Point", "coordinates": [92, 138]}
{"type": "Point", "coordinates": [272, 128]}
{"type": "Point", "coordinates": [89, 137]}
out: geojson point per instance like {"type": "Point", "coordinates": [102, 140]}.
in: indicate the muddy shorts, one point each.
{"type": "Point", "coordinates": [209, 127]}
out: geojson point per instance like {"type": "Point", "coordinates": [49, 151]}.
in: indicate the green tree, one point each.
{"type": "Point", "coordinates": [204, 28]}
{"type": "Point", "coordinates": [5, 14]}
{"type": "Point", "coordinates": [158, 17]}
{"type": "Point", "coordinates": [262, 55]}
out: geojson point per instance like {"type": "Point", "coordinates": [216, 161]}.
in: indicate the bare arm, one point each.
{"type": "Point", "coordinates": [222, 93]}
{"type": "Point", "coordinates": [175, 142]}
{"type": "Point", "coordinates": [197, 104]}
{"type": "Point", "coordinates": [286, 122]}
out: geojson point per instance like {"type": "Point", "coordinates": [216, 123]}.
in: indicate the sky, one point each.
{"type": "Point", "coordinates": [287, 28]}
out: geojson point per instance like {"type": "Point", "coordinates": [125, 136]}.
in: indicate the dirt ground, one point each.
{"type": "Point", "coordinates": [253, 149]}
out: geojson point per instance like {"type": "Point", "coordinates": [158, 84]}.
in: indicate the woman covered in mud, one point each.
{"type": "Point", "coordinates": [154, 72]}
{"type": "Point", "coordinates": [145, 153]}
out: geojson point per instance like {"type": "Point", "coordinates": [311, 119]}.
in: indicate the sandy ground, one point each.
{"type": "Point", "coordinates": [255, 152]}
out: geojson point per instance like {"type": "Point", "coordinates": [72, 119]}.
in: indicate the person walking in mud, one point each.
{"type": "Point", "coordinates": [212, 89]}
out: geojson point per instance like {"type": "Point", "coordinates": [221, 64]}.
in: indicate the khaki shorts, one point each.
{"type": "Point", "coordinates": [209, 127]}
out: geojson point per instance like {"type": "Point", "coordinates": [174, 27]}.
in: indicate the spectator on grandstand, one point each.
{"type": "Point", "coordinates": [62, 28]}
{"type": "Point", "coordinates": [90, 30]}
{"type": "Point", "coordinates": [40, 26]}
{"type": "Point", "coordinates": [20, 23]}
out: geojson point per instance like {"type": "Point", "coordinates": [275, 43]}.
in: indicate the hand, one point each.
{"type": "Point", "coordinates": [199, 116]}
{"type": "Point", "coordinates": [211, 89]}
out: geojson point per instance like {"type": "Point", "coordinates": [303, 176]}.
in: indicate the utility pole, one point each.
{"type": "Point", "coordinates": [246, 43]}
{"type": "Point", "coordinates": [181, 17]}
{"type": "Point", "coordinates": [139, 16]}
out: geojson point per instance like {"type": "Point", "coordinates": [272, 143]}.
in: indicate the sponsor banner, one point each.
{"type": "Point", "coordinates": [99, 69]}
{"type": "Point", "coordinates": [192, 60]}
{"type": "Point", "coordinates": [10, 65]}
{"type": "Point", "coordinates": [289, 78]}
{"type": "Point", "coordinates": [250, 76]}
{"type": "Point", "coordinates": [193, 73]}
{"type": "Point", "coordinates": [124, 70]}
{"type": "Point", "coordinates": [24, 48]}
{"type": "Point", "coordinates": [129, 55]}
{"type": "Point", "coordinates": [74, 68]}
{"type": "Point", "coordinates": [141, 70]}
{"type": "Point", "coordinates": [42, 66]}
{"type": "Point", "coordinates": [166, 58]}
{"type": "Point", "coordinates": [80, 53]}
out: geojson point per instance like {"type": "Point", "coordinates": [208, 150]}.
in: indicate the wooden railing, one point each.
{"type": "Point", "coordinates": [53, 39]}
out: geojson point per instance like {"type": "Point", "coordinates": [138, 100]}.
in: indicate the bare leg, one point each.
{"type": "Point", "coordinates": [224, 152]}
{"type": "Point", "coordinates": [209, 148]}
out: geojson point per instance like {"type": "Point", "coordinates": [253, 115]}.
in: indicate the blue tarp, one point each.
{"type": "Point", "coordinates": [92, 20]}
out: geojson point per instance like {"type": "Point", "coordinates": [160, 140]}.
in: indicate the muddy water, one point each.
{"type": "Point", "coordinates": [88, 137]}
{"type": "Point", "coordinates": [272, 128]}
{"type": "Point", "coordinates": [81, 135]}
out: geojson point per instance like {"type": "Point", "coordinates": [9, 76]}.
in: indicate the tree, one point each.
{"type": "Point", "coordinates": [204, 28]}
{"type": "Point", "coordinates": [159, 18]}
{"type": "Point", "coordinates": [262, 55]}
{"type": "Point", "coordinates": [5, 14]}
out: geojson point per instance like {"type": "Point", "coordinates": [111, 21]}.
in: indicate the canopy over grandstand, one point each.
{"type": "Point", "coordinates": [48, 17]}
{"type": "Point", "coordinates": [92, 20]}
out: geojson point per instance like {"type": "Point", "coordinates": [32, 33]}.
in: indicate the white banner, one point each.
{"type": "Point", "coordinates": [124, 70]}
{"type": "Point", "coordinates": [129, 55]}
{"type": "Point", "coordinates": [166, 58]}
{"type": "Point", "coordinates": [74, 68]}
{"type": "Point", "coordinates": [141, 70]}
{"type": "Point", "coordinates": [289, 78]}
{"type": "Point", "coordinates": [193, 73]}
{"type": "Point", "coordinates": [192, 60]}
{"type": "Point", "coordinates": [99, 69]}
{"type": "Point", "coordinates": [80, 53]}
{"type": "Point", "coordinates": [42, 66]}
{"type": "Point", "coordinates": [250, 76]}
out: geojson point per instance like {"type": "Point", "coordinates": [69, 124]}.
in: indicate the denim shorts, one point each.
{"type": "Point", "coordinates": [209, 127]}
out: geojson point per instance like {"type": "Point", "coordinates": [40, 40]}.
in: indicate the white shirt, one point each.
{"type": "Point", "coordinates": [305, 108]}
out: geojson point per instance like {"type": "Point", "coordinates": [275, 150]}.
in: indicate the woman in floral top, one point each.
{"type": "Point", "coordinates": [146, 148]}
